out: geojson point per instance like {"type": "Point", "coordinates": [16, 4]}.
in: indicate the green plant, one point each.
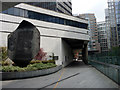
{"type": "Point", "coordinates": [3, 53]}
{"type": "Point", "coordinates": [7, 62]}
{"type": "Point", "coordinates": [12, 69]}
{"type": "Point", "coordinates": [115, 51]}
{"type": "Point", "coordinates": [45, 61]}
{"type": "Point", "coordinates": [35, 61]}
{"type": "Point", "coordinates": [48, 61]}
{"type": "Point", "coordinates": [51, 61]}
{"type": "Point", "coordinates": [30, 67]}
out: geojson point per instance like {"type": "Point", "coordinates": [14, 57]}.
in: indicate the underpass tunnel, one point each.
{"type": "Point", "coordinates": [75, 50]}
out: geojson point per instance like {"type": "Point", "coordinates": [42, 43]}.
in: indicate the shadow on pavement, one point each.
{"type": "Point", "coordinates": [76, 64]}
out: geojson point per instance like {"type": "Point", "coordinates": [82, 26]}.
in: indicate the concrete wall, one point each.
{"type": "Point", "coordinates": [50, 44]}
{"type": "Point", "coordinates": [3, 39]}
{"type": "Point", "coordinates": [66, 52]}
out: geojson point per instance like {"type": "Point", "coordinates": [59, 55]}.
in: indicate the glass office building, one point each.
{"type": "Point", "coordinates": [107, 21]}
{"type": "Point", "coordinates": [62, 7]}
{"type": "Point", "coordinates": [114, 21]}
{"type": "Point", "coordinates": [93, 44]}
{"type": "Point", "coordinates": [102, 36]}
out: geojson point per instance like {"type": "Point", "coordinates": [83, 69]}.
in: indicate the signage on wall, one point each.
{"type": "Point", "coordinates": [56, 57]}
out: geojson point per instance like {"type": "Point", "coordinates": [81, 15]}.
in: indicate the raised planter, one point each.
{"type": "Point", "coordinates": [28, 74]}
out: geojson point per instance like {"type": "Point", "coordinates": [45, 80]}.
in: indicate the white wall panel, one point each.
{"type": "Point", "coordinates": [52, 45]}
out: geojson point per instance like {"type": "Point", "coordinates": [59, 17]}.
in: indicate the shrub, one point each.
{"type": "Point", "coordinates": [30, 67]}
{"type": "Point", "coordinates": [48, 61]}
{"type": "Point", "coordinates": [35, 61]}
{"type": "Point", "coordinates": [43, 61]}
{"type": "Point", "coordinates": [41, 55]}
{"type": "Point", "coordinates": [51, 61]}
{"type": "Point", "coordinates": [7, 62]}
{"type": "Point", "coordinates": [12, 69]}
{"type": "Point", "coordinates": [3, 53]}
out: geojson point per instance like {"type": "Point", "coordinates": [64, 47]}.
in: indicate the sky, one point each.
{"type": "Point", "coordinates": [90, 6]}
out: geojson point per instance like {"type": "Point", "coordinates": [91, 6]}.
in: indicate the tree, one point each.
{"type": "Point", "coordinates": [115, 51]}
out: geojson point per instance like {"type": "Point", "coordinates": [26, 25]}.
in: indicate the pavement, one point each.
{"type": "Point", "coordinates": [76, 75]}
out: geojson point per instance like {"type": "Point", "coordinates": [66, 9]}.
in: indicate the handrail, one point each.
{"type": "Point", "coordinates": [110, 65]}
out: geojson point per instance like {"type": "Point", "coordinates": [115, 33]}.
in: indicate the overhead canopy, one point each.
{"type": "Point", "coordinates": [75, 43]}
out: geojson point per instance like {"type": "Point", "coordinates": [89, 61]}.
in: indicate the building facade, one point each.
{"type": "Point", "coordinates": [102, 36]}
{"type": "Point", "coordinates": [60, 34]}
{"type": "Point", "coordinates": [93, 44]}
{"type": "Point", "coordinates": [107, 21]}
{"type": "Point", "coordinates": [62, 7]}
{"type": "Point", "coordinates": [114, 20]}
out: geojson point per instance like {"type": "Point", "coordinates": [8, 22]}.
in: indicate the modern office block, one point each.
{"type": "Point", "coordinates": [93, 44]}
{"type": "Point", "coordinates": [113, 18]}
{"type": "Point", "coordinates": [102, 36]}
{"type": "Point", "coordinates": [107, 21]}
{"type": "Point", "coordinates": [62, 7]}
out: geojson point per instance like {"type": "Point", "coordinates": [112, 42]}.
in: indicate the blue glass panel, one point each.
{"type": "Point", "coordinates": [11, 11]}
{"type": "Point", "coordinates": [61, 21]}
{"type": "Point", "coordinates": [57, 20]}
{"type": "Point", "coordinates": [43, 17]}
{"type": "Point", "coordinates": [6, 11]}
{"type": "Point", "coordinates": [31, 15]}
{"type": "Point", "coordinates": [25, 13]}
{"type": "Point", "coordinates": [16, 11]}
{"type": "Point", "coordinates": [53, 19]}
{"type": "Point", "coordinates": [22, 12]}
{"type": "Point", "coordinates": [36, 16]}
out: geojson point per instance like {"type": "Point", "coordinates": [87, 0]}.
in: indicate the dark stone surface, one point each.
{"type": "Point", "coordinates": [23, 43]}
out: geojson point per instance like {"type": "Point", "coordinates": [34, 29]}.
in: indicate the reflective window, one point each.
{"type": "Point", "coordinates": [44, 17]}
{"type": "Point", "coordinates": [22, 12]}
{"type": "Point", "coordinates": [25, 13]}
{"type": "Point", "coordinates": [16, 11]}
{"type": "Point", "coordinates": [6, 11]}
{"type": "Point", "coordinates": [11, 11]}
{"type": "Point", "coordinates": [31, 15]}
{"type": "Point", "coordinates": [41, 16]}
{"type": "Point", "coordinates": [57, 20]}
{"type": "Point", "coordinates": [49, 19]}
{"type": "Point", "coordinates": [53, 19]}
{"type": "Point", "coordinates": [36, 16]}
{"type": "Point", "coordinates": [61, 21]}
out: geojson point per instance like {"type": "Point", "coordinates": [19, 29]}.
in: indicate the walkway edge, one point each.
{"type": "Point", "coordinates": [29, 74]}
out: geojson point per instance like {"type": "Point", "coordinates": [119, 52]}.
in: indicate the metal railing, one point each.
{"type": "Point", "coordinates": [108, 65]}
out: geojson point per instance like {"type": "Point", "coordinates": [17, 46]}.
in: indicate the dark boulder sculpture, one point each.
{"type": "Point", "coordinates": [23, 44]}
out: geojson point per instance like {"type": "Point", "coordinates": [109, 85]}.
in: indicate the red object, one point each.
{"type": "Point", "coordinates": [41, 55]}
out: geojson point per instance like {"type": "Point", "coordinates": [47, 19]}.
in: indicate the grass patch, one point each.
{"type": "Point", "coordinates": [30, 67]}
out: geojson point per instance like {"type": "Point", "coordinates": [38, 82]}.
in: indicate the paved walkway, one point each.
{"type": "Point", "coordinates": [76, 75]}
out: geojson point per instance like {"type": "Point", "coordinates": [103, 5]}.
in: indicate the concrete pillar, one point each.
{"type": "Point", "coordinates": [85, 54]}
